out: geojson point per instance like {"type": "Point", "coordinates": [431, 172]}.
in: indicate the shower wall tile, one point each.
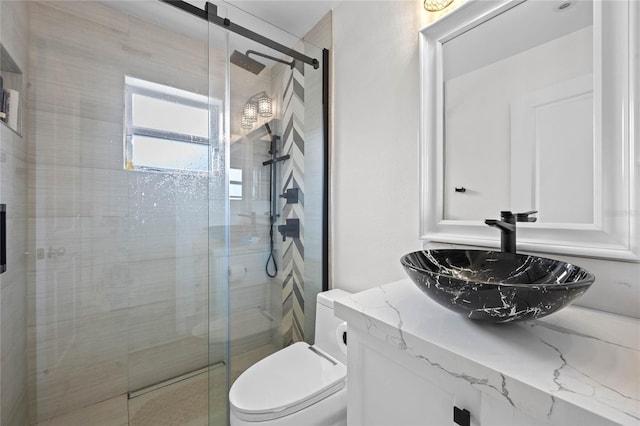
{"type": "Point", "coordinates": [177, 61]}
{"type": "Point", "coordinates": [155, 71]}
{"type": "Point", "coordinates": [16, 246]}
{"type": "Point", "coordinates": [293, 139]}
{"type": "Point", "coordinates": [177, 48]}
{"type": "Point", "coordinates": [95, 103]}
{"type": "Point", "coordinates": [61, 64]}
{"type": "Point", "coordinates": [13, 174]}
{"type": "Point", "coordinates": [252, 262]}
{"type": "Point", "coordinates": [152, 237]}
{"type": "Point", "coordinates": [17, 415]}
{"type": "Point", "coordinates": [59, 23]}
{"type": "Point", "coordinates": [161, 237]}
{"type": "Point", "coordinates": [14, 27]}
{"type": "Point", "coordinates": [76, 293]}
{"type": "Point", "coordinates": [249, 315]}
{"type": "Point", "coordinates": [244, 342]}
{"type": "Point", "coordinates": [77, 236]}
{"type": "Point", "coordinates": [77, 362]}
{"type": "Point", "coordinates": [162, 280]}
{"type": "Point", "coordinates": [157, 324]}
{"type": "Point", "coordinates": [112, 412]}
{"type": "Point", "coordinates": [163, 362]}
{"type": "Point", "coordinates": [86, 143]}
{"type": "Point", "coordinates": [13, 350]}
{"type": "Point", "coordinates": [88, 13]}
{"type": "Point", "coordinates": [72, 191]}
{"type": "Point", "coordinates": [12, 144]}
{"type": "Point", "coordinates": [250, 296]}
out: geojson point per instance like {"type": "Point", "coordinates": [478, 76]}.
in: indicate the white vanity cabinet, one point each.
{"type": "Point", "coordinates": [411, 361]}
{"type": "Point", "coordinates": [389, 387]}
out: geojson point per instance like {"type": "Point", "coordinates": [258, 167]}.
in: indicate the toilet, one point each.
{"type": "Point", "coordinates": [300, 385]}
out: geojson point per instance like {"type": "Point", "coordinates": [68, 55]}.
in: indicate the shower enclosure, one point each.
{"type": "Point", "coordinates": [165, 192]}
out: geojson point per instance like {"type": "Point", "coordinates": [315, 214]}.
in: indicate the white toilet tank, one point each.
{"type": "Point", "coordinates": [329, 328]}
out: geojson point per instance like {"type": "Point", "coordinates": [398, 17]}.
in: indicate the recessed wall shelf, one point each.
{"type": "Point", "coordinates": [12, 79]}
{"type": "Point", "coordinates": [7, 63]}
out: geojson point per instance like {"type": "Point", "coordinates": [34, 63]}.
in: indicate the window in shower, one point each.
{"type": "Point", "coordinates": [235, 184]}
{"type": "Point", "coordinates": [166, 128]}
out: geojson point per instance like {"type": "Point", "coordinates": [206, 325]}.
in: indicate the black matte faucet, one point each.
{"type": "Point", "coordinates": [507, 226]}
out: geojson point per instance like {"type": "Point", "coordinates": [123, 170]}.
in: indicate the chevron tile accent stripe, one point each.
{"type": "Point", "coordinates": [293, 177]}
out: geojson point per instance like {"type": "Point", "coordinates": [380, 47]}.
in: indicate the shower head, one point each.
{"type": "Point", "coordinates": [245, 62]}
{"type": "Point", "coordinates": [250, 64]}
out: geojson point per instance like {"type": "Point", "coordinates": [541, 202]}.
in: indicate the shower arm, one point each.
{"type": "Point", "coordinates": [253, 52]}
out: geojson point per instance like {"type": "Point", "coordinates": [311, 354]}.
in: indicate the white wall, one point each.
{"type": "Point", "coordinates": [374, 159]}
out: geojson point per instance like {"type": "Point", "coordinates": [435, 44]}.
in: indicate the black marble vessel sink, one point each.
{"type": "Point", "coordinates": [495, 286]}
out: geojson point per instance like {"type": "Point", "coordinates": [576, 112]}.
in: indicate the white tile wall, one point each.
{"type": "Point", "coordinates": [13, 178]}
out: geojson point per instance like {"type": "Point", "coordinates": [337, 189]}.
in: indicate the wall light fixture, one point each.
{"type": "Point", "coordinates": [265, 108]}
{"type": "Point", "coordinates": [250, 112]}
{"type": "Point", "coordinates": [258, 105]}
{"type": "Point", "coordinates": [436, 5]}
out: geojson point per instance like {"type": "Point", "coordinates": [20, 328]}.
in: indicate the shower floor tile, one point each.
{"type": "Point", "coordinates": [184, 403]}
{"type": "Point", "coordinates": [240, 362]}
{"type": "Point", "coordinates": [188, 402]}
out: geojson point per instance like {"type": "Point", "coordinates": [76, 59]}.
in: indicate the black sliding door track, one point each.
{"type": "Point", "coordinates": [210, 13]}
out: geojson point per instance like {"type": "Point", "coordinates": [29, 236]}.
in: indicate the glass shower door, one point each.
{"type": "Point", "coordinates": [118, 214]}
{"type": "Point", "coordinates": [274, 167]}
{"type": "Point", "coordinates": [168, 147]}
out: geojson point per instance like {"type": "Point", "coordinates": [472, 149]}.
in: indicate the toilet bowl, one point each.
{"type": "Point", "coordinates": [300, 385]}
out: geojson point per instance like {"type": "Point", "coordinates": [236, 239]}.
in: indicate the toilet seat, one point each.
{"type": "Point", "coordinates": [264, 393]}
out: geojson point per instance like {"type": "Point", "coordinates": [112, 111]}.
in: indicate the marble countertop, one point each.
{"type": "Point", "coordinates": [577, 356]}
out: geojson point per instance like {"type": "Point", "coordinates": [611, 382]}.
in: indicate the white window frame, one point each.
{"type": "Point", "coordinates": [234, 182]}
{"type": "Point", "coordinates": [168, 94]}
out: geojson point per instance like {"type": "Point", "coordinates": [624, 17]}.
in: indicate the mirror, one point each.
{"type": "Point", "coordinates": [522, 107]}
{"type": "Point", "coordinates": [513, 112]}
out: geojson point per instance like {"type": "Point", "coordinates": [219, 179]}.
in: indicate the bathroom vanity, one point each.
{"type": "Point", "coordinates": [411, 361]}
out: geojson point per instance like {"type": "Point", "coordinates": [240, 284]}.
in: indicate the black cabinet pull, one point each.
{"type": "Point", "coordinates": [3, 238]}
{"type": "Point", "coordinates": [461, 417]}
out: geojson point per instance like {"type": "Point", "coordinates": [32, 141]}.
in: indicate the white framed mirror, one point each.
{"type": "Point", "coordinates": [533, 105]}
